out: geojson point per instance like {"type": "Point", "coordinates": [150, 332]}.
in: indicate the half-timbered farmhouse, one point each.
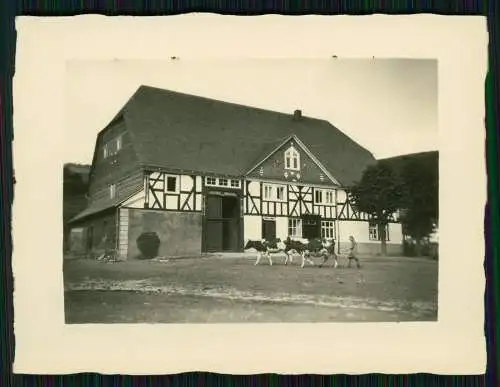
{"type": "Point", "coordinates": [207, 176]}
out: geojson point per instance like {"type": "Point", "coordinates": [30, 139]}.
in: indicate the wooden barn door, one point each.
{"type": "Point", "coordinates": [222, 227]}
{"type": "Point", "coordinates": [269, 229]}
{"type": "Point", "coordinates": [214, 226]}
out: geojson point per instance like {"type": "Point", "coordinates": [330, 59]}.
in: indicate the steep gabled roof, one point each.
{"type": "Point", "coordinates": [191, 133]}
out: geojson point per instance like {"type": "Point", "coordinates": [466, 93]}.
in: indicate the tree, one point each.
{"type": "Point", "coordinates": [379, 194]}
{"type": "Point", "coordinates": [420, 197]}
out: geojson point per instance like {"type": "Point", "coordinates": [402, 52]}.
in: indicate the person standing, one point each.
{"type": "Point", "coordinates": [353, 252]}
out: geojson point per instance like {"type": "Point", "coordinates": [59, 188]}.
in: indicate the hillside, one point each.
{"type": "Point", "coordinates": [75, 182]}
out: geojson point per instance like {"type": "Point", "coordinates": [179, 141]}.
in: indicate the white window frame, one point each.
{"type": "Point", "coordinates": [328, 230]}
{"type": "Point", "coordinates": [267, 192]}
{"type": "Point", "coordinates": [373, 234]}
{"type": "Point", "coordinates": [112, 191]}
{"type": "Point", "coordinates": [270, 192]}
{"type": "Point", "coordinates": [209, 180]}
{"type": "Point", "coordinates": [176, 183]}
{"type": "Point", "coordinates": [324, 194]}
{"type": "Point", "coordinates": [224, 182]}
{"type": "Point", "coordinates": [292, 156]}
{"type": "Point", "coordinates": [295, 227]}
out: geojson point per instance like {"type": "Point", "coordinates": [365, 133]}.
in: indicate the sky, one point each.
{"type": "Point", "coordinates": [389, 106]}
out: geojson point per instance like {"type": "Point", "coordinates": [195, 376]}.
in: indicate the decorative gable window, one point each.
{"type": "Point", "coordinates": [171, 183]}
{"type": "Point", "coordinates": [292, 159]}
{"type": "Point", "coordinates": [112, 191]}
{"type": "Point", "coordinates": [373, 233]}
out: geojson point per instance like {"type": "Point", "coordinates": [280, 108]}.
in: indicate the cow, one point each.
{"type": "Point", "coordinates": [303, 247]}
{"type": "Point", "coordinates": [269, 248]}
{"type": "Point", "coordinates": [313, 248]}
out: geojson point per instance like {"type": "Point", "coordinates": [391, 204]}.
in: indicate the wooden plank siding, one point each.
{"type": "Point", "coordinates": [124, 188]}
{"type": "Point", "coordinates": [114, 168]}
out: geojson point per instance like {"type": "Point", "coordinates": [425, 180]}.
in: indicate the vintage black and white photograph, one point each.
{"type": "Point", "coordinates": [251, 191]}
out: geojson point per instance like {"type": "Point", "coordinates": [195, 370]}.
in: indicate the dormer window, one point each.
{"type": "Point", "coordinates": [292, 159]}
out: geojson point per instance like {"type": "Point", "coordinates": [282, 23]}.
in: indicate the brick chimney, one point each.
{"type": "Point", "coordinates": [297, 114]}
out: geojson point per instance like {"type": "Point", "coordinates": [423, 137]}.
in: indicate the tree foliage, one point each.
{"type": "Point", "coordinates": [421, 195]}
{"type": "Point", "coordinates": [408, 184]}
{"type": "Point", "coordinates": [379, 194]}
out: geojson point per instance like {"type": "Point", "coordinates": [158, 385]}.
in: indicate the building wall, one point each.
{"type": "Point", "coordinates": [124, 187]}
{"type": "Point", "coordinates": [179, 232]}
{"type": "Point", "coordinates": [252, 228]}
{"type": "Point", "coordinates": [282, 228]}
{"type": "Point", "coordinates": [187, 195]}
{"type": "Point", "coordinates": [359, 230]}
{"type": "Point", "coordinates": [89, 234]}
{"type": "Point", "coordinates": [298, 200]}
{"type": "Point", "coordinates": [111, 169]}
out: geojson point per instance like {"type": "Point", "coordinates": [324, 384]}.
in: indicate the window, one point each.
{"type": "Point", "coordinates": [112, 191]}
{"type": "Point", "coordinates": [373, 233]}
{"type": "Point", "coordinates": [171, 183]}
{"type": "Point", "coordinates": [268, 192]}
{"type": "Point", "coordinates": [210, 181]}
{"type": "Point", "coordinates": [318, 196]}
{"type": "Point", "coordinates": [292, 159]}
{"type": "Point", "coordinates": [328, 229]}
{"type": "Point", "coordinates": [295, 228]}
{"type": "Point", "coordinates": [118, 143]}
{"type": "Point", "coordinates": [329, 197]}
{"type": "Point", "coordinates": [323, 196]}
{"type": "Point", "coordinates": [273, 192]}
{"type": "Point", "coordinates": [112, 147]}
{"type": "Point", "coordinates": [222, 182]}
{"type": "Point", "coordinates": [280, 193]}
